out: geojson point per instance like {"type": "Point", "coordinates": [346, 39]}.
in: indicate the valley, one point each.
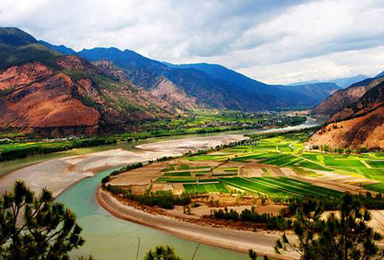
{"type": "Point", "coordinates": [157, 134]}
{"type": "Point", "coordinates": [80, 170]}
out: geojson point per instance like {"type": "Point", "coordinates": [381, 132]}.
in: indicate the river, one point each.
{"type": "Point", "coordinates": [110, 238]}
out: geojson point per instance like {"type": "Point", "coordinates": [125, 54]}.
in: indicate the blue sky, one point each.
{"type": "Point", "coordinates": [270, 40]}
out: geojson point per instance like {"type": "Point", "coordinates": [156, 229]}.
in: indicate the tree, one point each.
{"type": "Point", "coordinates": [162, 253]}
{"type": "Point", "coordinates": [36, 227]}
{"type": "Point", "coordinates": [342, 236]}
{"type": "Point", "coordinates": [253, 255]}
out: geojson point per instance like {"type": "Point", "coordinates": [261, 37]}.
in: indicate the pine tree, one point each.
{"type": "Point", "coordinates": [36, 227]}
{"type": "Point", "coordinates": [162, 253]}
{"type": "Point", "coordinates": [341, 236]}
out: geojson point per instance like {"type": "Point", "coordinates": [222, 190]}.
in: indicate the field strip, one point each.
{"type": "Point", "coordinates": [291, 145]}
{"type": "Point", "coordinates": [240, 187]}
{"type": "Point", "coordinates": [292, 162]}
{"type": "Point", "coordinates": [366, 164]}
{"type": "Point", "coordinates": [331, 185]}
{"type": "Point", "coordinates": [274, 186]}
{"type": "Point", "coordinates": [298, 187]}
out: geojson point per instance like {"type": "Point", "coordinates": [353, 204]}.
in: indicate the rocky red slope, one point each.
{"type": "Point", "coordinates": [55, 94]}
{"type": "Point", "coordinates": [345, 97]}
{"type": "Point", "coordinates": [358, 125]}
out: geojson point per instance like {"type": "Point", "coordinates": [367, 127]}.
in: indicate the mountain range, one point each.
{"type": "Point", "coordinates": [204, 84]}
{"type": "Point", "coordinates": [340, 82]}
{"type": "Point", "coordinates": [55, 90]}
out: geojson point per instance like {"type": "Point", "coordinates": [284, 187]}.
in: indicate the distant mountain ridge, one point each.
{"type": "Point", "coordinates": [345, 97]}
{"type": "Point", "coordinates": [215, 82]}
{"type": "Point", "coordinates": [315, 92]}
{"type": "Point", "coordinates": [206, 88]}
{"type": "Point", "coordinates": [60, 48]}
{"type": "Point", "coordinates": [346, 82]}
{"type": "Point", "coordinates": [341, 82]}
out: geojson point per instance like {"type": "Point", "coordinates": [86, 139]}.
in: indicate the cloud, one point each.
{"type": "Point", "coordinates": [274, 40]}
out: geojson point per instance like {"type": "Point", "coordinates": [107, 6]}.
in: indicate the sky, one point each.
{"type": "Point", "coordinates": [275, 41]}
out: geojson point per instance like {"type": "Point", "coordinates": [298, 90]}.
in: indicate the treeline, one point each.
{"type": "Point", "coordinates": [293, 120]}
{"type": "Point", "coordinates": [203, 130]}
{"type": "Point", "coordinates": [284, 221]}
{"type": "Point", "coordinates": [162, 199]}
{"type": "Point", "coordinates": [331, 203]}
{"type": "Point", "coordinates": [347, 150]}
{"type": "Point", "coordinates": [265, 220]}
{"type": "Point", "coordinates": [45, 148]}
{"type": "Point", "coordinates": [164, 133]}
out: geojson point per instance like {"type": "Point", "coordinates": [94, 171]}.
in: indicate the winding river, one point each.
{"type": "Point", "coordinates": [108, 237]}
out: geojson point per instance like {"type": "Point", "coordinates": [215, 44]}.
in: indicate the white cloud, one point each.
{"type": "Point", "coordinates": [278, 41]}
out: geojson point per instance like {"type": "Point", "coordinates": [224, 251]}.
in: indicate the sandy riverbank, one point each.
{"type": "Point", "coordinates": [59, 174]}
{"type": "Point", "coordinates": [242, 241]}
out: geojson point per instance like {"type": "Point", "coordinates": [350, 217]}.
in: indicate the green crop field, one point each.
{"type": "Point", "coordinates": [378, 187]}
{"type": "Point", "coordinates": [205, 188]}
{"type": "Point", "coordinates": [279, 186]}
{"type": "Point", "coordinates": [175, 180]}
{"type": "Point", "coordinates": [281, 150]}
{"type": "Point", "coordinates": [178, 174]}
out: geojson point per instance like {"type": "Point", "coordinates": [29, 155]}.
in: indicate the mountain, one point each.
{"type": "Point", "coordinates": [17, 47]}
{"type": "Point", "coordinates": [311, 93]}
{"type": "Point", "coordinates": [341, 82]}
{"type": "Point", "coordinates": [346, 82]}
{"type": "Point", "coordinates": [357, 125]}
{"type": "Point", "coordinates": [316, 91]}
{"type": "Point", "coordinates": [222, 73]}
{"type": "Point", "coordinates": [381, 74]}
{"type": "Point", "coordinates": [44, 91]}
{"type": "Point", "coordinates": [345, 97]}
{"type": "Point", "coordinates": [277, 95]}
{"type": "Point", "coordinates": [60, 48]}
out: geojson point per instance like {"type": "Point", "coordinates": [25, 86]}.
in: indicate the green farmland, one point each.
{"type": "Point", "coordinates": [205, 188]}
{"type": "Point", "coordinates": [219, 171]}
{"type": "Point", "coordinates": [279, 187]}
{"type": "Point", "coordinates": [270, 186]}
{"type": "Point", "coordinates": [287, 150]}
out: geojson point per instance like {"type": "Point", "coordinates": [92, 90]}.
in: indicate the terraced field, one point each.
{"type": "Point", "coordinates": [205, 188]}
{"type": "Point", "coordinates": [279, 187]}
{"type": "Point", "coordinates": [268, 159]}
{"type": "Point", "coordinates": [177, 174]}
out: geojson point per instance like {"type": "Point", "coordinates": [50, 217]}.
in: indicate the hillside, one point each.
{"type": "Point", "coordinates": [47, 92]}
{"type": "Point", "coordinates": [316, 91]}
{"type": "Point", "coordinates": [305, 95]}
{"type": "Point", "coordinates": [358, 125]}
{"type": "Point", "coordinates": [345, 97]}
{"type": "Point", "coordinates": [286, 95]}
{"type": "Point", "coordinates": [207, 84]}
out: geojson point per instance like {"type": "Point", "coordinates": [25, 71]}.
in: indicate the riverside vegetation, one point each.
{"type": "Point", "coordinates": [19, 145]}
